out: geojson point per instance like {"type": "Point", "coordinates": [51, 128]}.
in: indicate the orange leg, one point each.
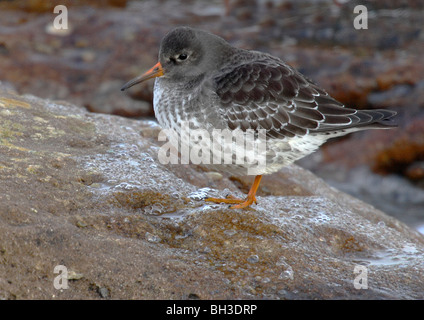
{"type": "Point", "coordinates": [240, 203]}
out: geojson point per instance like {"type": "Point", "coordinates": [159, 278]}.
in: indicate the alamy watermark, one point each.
{"type": "Point", "coordinates": [61, 281]}
{"type": "Point", "coordinates": [60, 22]}
{"type": "Point", "coordinates": [361, 280]}
{"type": "Point", "coordinates": [361, 20]}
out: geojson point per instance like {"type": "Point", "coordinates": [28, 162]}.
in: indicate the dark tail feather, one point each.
{"type": "Point", "coordinates": [374, 119]}
{"type": "Point", "coordinates": [360, 120]}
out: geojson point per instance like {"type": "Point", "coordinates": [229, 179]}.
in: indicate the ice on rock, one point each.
{"type": "Point", "coordinates": [253, 259]}
{"type": "Point", "coordinates": [286, 270]}
{"type": "Point", "coordinates": [202, 194]}
{"type": "Point", "coordinates": [152, 238]}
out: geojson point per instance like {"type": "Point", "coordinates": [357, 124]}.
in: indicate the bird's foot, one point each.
{"type": "Point", "coordinates": [238, 203]}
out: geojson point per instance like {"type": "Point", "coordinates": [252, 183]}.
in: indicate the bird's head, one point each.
{"type": "Point", "coordinates": [185, 54]}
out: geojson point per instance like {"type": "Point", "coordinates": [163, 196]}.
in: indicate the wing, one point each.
{"type": "Point", "coordinates": [273, 96]}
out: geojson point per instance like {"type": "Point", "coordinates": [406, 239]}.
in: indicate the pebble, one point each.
{"type": "Point", "coordinates": [103, 292]}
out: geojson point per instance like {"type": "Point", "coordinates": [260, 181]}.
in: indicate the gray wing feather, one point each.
{"type": "Point", "coordinates": [271, 95]}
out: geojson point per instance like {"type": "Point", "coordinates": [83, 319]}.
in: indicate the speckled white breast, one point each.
{"type": "Point", "coordinates": [172, 109]}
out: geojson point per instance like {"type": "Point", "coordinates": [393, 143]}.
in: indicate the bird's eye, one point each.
{"type": "Point", "coordinates": [182, 56]}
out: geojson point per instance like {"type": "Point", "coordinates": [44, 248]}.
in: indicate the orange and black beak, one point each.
{"type": "Point", "coordinates": [155, 71]}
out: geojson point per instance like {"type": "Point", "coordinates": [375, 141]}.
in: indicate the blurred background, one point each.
{"type": "Point", "coordinates": [108, 42]}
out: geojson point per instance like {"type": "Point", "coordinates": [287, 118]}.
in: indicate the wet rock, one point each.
{"type": "Point", "coordinates": [415, 172]}
{"type": "Point", "coordinates": [86, 191]}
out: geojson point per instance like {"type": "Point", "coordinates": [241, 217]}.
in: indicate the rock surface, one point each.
{"type": "Point", "coordinates": [86, 191]}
